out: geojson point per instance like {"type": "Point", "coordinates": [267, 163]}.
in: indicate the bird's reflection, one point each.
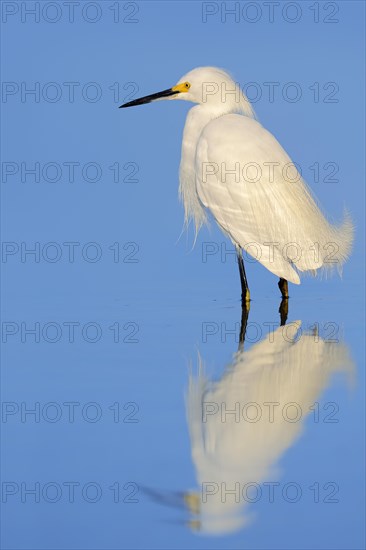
{"type": "Point", "coordinates": [241, 425]}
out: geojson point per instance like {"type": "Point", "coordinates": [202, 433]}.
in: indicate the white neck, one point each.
{"type": "Point", "coordinates": [198, 117]}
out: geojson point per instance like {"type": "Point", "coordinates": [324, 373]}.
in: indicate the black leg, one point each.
{"type": "Point", "coordinates": [245, 294]}
{"type": "Point", "coordinates": [283, 311]}
{"type": "Point", "coordinates": [243, 326]}
{"type": "Point", "coordinates": [283, 286]}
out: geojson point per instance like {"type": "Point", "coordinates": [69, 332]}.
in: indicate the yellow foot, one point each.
{"type": "Point", "coordinates": [245, 297]}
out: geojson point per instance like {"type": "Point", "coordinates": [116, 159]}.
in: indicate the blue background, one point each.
{"type": "Point", "coordinates": [169, 291]}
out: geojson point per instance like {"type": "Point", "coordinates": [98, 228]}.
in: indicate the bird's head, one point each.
{"type": "Point", "coordinates": [208, 86]}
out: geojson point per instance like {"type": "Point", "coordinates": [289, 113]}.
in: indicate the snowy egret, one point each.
{"type": "Point", "coordinates": [236, 169]}
{"type": "Point", "coordinates": [242, 424]}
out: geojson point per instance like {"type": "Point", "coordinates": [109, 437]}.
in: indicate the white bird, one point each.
{"type": "Point", "coordinates": [236, 169]}
{"type": "Point", "coordinates": [241, 425]}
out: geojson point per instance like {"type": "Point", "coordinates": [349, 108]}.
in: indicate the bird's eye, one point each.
{"type": "Point", "coordinates": [187, 85]}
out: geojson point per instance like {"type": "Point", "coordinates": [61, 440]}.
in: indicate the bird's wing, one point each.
{"type": "Point", "coordinates": [256, 195]}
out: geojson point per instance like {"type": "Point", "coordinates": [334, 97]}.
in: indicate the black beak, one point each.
{"type": "Point", "coordinates": [149, 98]}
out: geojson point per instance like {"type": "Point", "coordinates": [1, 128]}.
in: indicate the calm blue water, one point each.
{"type": "Point", "coordinates": [120, 364]}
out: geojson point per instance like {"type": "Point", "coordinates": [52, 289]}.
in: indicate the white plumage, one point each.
{"type": "Point", "coordinates": [236, 169]}
{"type": "Point", "coordinates": [288, 370]}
